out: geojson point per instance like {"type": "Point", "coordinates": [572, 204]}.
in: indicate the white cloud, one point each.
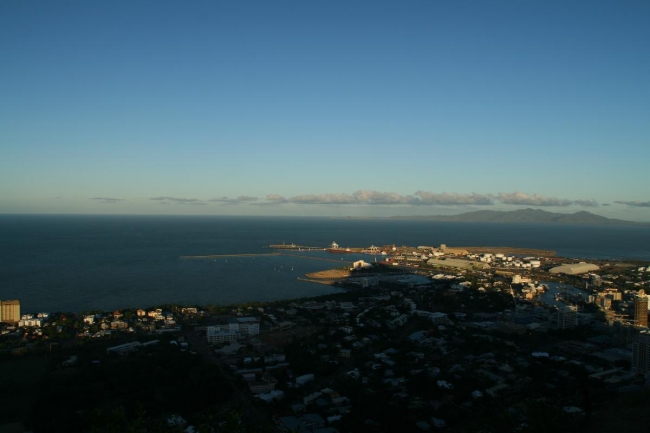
{"type": "Point", "coordinates": [234, 201]}
{"type": "Point", "coordinates": [110, 200]}
{"type": "Point", "coordinates": [448, 199]}
{"type": "Point", "coordinates": [520, 198]}
{"type": "Point", "coordinates": [367, 197]}
{"type": "Point", "coordinates": [177, 200]}
{"type": "Point", "coordinates": [634, 203]}
{"type": "Point", "coordinates": [275, 198]}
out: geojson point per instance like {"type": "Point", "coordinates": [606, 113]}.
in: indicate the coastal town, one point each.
{"type": "Point", "coordinates": [421, 339]}
{"type": "Point", "coordinates": [332, 216]}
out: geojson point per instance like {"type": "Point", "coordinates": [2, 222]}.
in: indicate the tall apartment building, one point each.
{"type": "Point", "coordinates": [10, 311]}
{"type": "Point", "coordinates": [641, 354]}
{"type": "Point", "coordinates": [641, 309]}
{"type": "Point", "coordinates": [567, 317]}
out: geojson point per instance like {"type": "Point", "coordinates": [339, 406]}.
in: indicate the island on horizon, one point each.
{"type": "Point", "coordinates": [527, 215]}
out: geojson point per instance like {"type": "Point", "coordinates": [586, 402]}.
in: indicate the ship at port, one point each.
{"type": "Point", "coordinates": [336, 249]}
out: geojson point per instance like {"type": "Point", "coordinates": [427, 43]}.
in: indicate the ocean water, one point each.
{"type": "Point", "coordinates": [79, 263]}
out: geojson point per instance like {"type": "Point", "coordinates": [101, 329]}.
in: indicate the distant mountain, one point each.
{"type": "Point", "coordinates": [525, 216]}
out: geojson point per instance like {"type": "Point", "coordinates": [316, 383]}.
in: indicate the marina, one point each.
{"type": "Point", "coordinates": [561, 294]}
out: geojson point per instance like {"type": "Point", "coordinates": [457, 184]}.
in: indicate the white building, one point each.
{"type": "Point", "coordinates": [360, 264]}
{"type": "Point", "coordinates": [249, 328]}
{"type": "Point", "coordinates": [30, 322]}
{"type": "Point", "coordinates": [398, 322]}
{"type": "Point", "coordinates": [301, 380]}
{"type": "Point", "coordinates": [518, 279]}
{"type": "Point", "coordinates": [437, 318]}
{"type": "Point", "coordinates": [249, 325]}
{"type": "Point", "coordinates": [236, 328]}
{"type": "Point", "coordinates": [124, 348]}
{"type": "Point", "coordinates": [215, 334]}
{"type": "Point", "coordinates": [574, 269]}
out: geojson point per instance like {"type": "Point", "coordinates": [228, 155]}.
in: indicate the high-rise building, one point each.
{"type": "Point", "coordinates": [641, 309]}
{"type": "Point", "coordinates": [595, 280]}
{"type": "Point", "coordinates": [641, 354]}
{"type": "Point", "coordinates": [10, 311]}
{"type": "Point", "coordinates": [567, 317]}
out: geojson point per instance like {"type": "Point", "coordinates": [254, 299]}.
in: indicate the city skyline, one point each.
{"type": "Point", "coordinates": [324, 109]}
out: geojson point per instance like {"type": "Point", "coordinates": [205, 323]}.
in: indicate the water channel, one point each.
{"type": "Point", "coordinates": [548, 297]}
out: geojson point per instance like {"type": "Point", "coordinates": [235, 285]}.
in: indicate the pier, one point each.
{"type": "Point", "coordinates": [295, 247]}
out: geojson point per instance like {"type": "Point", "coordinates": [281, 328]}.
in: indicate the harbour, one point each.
{"type": "Point", "coordinates": [74, 263]}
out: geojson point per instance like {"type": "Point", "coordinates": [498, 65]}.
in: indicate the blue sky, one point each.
{"type": "Point", "coordinates": [324, 107]}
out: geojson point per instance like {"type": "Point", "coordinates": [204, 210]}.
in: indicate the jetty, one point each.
{"type": "Point", "coordinates": [294, 247]}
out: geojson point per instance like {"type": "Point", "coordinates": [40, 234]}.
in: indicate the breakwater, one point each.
{"type": "Point", "coordinates": [294, 247]}
{"type": "Point", "coordinates": [225, 256]}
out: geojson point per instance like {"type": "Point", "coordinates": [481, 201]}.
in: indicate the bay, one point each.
{"type": "Point", "coordinates": [79, 263]}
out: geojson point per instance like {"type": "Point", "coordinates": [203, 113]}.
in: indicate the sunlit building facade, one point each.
{"type": "Point", "coordinates": [10, 311]}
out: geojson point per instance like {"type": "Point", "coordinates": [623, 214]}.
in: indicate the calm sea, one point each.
{"type": "Point", "coordinates": [79, 263]}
